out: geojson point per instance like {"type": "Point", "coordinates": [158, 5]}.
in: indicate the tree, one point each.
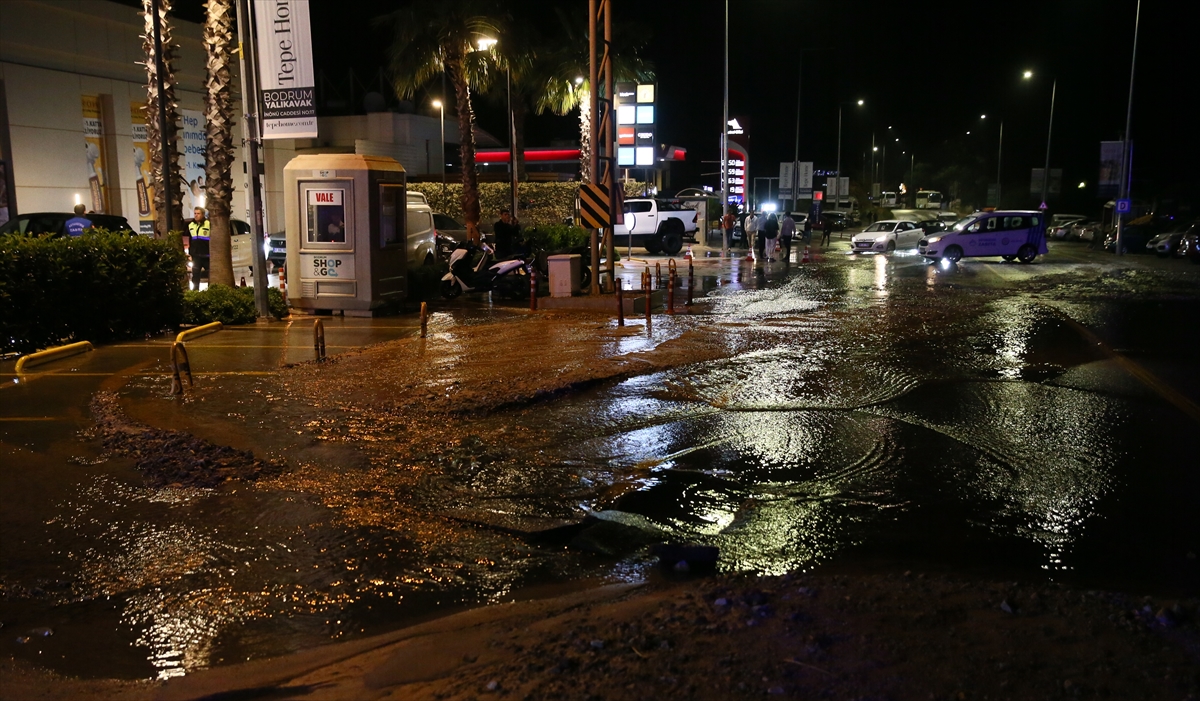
{"type": "Point", "coordinates": [168, 212]}
{"type": "Point", "coordinates": [563, 75]}
{"type": "Point", "coordinates": [431, 37]}
{"type": "Point", "coordinates": [219, 118]}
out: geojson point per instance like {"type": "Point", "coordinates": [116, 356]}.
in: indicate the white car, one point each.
{"type": "Point", "coordinates": [886, 236]}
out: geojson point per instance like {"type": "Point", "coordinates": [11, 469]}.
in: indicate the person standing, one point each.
{"type": "Point", "coordinates": [825, 234]}
{"type": "Point", "coordinates": [508, 234]}
{"type": "Point", "coordinates": [727, 222]}
{"type": "Point", "coordinates": [199, 231]}
{"type": "Point", "coordinates": [750, 231]}
{"type": "Point", "coordinates": [76, 224]}
{"type": "Point", "coordinates": [786, 232]}
{"type": "Point", "coordinates": [769, 231]}
{"type": "Point", "coordinates": [808, 228]}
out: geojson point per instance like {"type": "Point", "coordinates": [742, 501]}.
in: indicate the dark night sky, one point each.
{"type": "Point", "coordinates": [927, 69]}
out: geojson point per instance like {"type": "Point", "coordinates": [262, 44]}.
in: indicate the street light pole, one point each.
{"type": "Point", "coordinates": [442, 157]}
{"type": "Point", "coordinates": [1049, 131]}
{"type": "Point", "coordinates": [796, 152]}
{"type": "Point", "coordinates": [999, 158]}
{"type": "Point", "coordinates": [1126, 169]}
{"type": "Point", "coordinates": [837, 178]}
{"type": "Point", "coordinates": [725, 146]}
{"type": "Point", "coordinates": [512, 144]}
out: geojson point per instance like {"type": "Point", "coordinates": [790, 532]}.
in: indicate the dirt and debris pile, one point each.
{"type": "Point", "coordinates": [172, 458]}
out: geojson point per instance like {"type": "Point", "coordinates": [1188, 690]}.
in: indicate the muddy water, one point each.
{"type": "Point", "coordinates": [869, 410]}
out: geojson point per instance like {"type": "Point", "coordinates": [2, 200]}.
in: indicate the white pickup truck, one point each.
{"type": "Point", "coordinates": [659, 226]}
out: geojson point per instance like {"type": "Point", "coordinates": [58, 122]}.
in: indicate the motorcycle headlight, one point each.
{"type": "Point", "coordinates": [933, 239]}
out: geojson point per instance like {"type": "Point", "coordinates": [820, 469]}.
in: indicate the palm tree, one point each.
{"type": "Point", "coordinates": [432, 37]}
{"type": "Point", "coordinates": [564, 72]}
{"type": "Point", "coordinates": [218, 157]}
{"type": "Point", "coordinates": [168, 213]}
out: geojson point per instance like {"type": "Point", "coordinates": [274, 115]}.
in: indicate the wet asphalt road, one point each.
{"type": "Point", "coordinates": [1012, 421]}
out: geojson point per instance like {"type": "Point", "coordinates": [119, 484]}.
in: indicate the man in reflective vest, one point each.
{"type": "Point", "coordinates": [199, 230]}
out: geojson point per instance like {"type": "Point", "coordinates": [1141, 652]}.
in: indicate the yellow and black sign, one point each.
{"type": "Point", "coordinates": [594, 201]}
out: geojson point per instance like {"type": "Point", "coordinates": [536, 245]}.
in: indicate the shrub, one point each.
{"type": "Point", "coordinates": [540, 203]}
{"type": "Point", "coordinates": [555, 238]}
{"type": "Point", "coordinates": [229, 305]}
{"type": "Point", "coordinates": [101, 286]}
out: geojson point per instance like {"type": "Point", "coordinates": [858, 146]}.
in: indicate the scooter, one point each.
{"type": "Point", "coordinates": [508, 277]}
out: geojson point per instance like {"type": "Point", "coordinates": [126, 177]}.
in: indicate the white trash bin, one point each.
{"type": "Point", "coordinates": [564, 274]}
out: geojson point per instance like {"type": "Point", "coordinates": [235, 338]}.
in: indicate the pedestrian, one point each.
{"type": "Point", "coordinates": [727, 222]}
{"type": "Point", "coordinates": [750, 232]}
{"type": "Point", "coordinates": [825, 232]}
{"type": "Point", "coordinates": [199, 232]}
{"type": "Point", "coordinates": [770, 230]}
{"type": "Point", "coordinates": [786, 232]}
{"type": "Point", "coordinates": [808, 228]}
{"type": "Point", "coordinates": [508, 234]}
{"type": "Point", "coordinates": [76, 224]}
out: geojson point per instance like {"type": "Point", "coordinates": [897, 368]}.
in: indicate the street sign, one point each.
{"type": "Point", "coordinates": [785, 177]}
{"type": "Point", "coordinates": [594, 200]}
{"type": "Point", "coordinates": [1124, 206]}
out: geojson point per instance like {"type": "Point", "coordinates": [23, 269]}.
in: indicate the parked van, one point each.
{"type": "Point", "coordinates": [422, 236]}
{"type": "Point", "coordinates": [1012, 235]}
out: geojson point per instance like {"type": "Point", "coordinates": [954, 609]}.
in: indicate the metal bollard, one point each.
{"type": "Point", "coordinates": [658, 276]}
{"type": "Point", "coordinates": [648, 298]}
{"type": "Point", "coordinates": [319, 340]}
{"type": "Point", "coordinates": [532, 288]}
{"type": "Point", "coordinates": [620, 303]}
{"type": "Point", "coordinates": [424, 318]}
{"type": "Point", "coordinates": [691, 281]}
{"type": "Point", "coordinates": [176, 383]}
{"type": "Point", "coordinates": [671, 293]}
{"type": "Point", "coordinates": [179, 351]}
{"type": "Point", "coordinates": [646, 278]}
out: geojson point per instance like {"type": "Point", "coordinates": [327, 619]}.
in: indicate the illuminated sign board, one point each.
{"type": "Point", "coordinates": [637, 145]}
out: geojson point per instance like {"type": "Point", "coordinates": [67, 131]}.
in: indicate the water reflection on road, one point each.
{"type": "Point", "coordinates": [861, 408]}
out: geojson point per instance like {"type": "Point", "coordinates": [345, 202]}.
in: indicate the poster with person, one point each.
{"type": "Point", "coordinates": [192, 145]}
{"type": "Point", "coordinates": [144, 185]}
{"type": "Point", "coordinates": [93, 148]}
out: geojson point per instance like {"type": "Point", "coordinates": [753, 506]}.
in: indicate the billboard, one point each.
{"type": "Point", "coordinates": [192, 146]}
{"type": "Point", "coordinates": [285, 69]}
{"type": "Point", "coordinates": [1035, 182]}
{"type": "Point", "coordinates": [141, 165]}
{"type": "Point", "coordinates": [1109, 182]}
{"type": "Point", "coordinates": [93, 149]}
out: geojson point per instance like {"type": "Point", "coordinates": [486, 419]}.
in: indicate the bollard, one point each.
{"type": "Point", "coordinates": [319, 340]}
{"type": "Point", "coordinates": [648, 297]}
{"type": "Point", "coordinates": [533, 288]}
{"type": "Point", "coordinates": [176, 383]}
{"type": "Point", "coordinates": [657, 276]}
{"type": "Point", "coordinates": [620, 304]}
{"type": "Point", "coordinates": [424, 318]}
{"type": "Point", "coordinates": [671, 280]}
{"type": "Point", "coordinates": [646, 278]}
{"type": "Point", "coordinates": [691, 281]}
{"type": "Point", "coordinates": [181, 365]}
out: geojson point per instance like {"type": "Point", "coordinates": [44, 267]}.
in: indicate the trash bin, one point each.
{"type": "Point", "coordinates": [564, 274]}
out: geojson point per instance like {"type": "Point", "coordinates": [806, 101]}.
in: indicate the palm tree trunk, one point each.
{"type": "Point", "coordinates": [218, 112]}
{"type": "Point", "coordinates": [466, 135]}
{"type": "Point", "coordinates": [168, 209]}
{"type": "Point", "coordinates": [585, 138]}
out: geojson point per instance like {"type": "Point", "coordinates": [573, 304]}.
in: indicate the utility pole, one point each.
{"type": "Point", "coordinates": [796, 152]}
{"type": "Point", "coordinates": [1049, 131]}
{"type": "Point", "coordinates": [999, 158]}
{"type": "Point", "coordinates": [250, 115]}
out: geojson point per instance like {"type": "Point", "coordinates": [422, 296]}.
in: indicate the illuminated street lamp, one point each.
{"type": "Point", "coordinates": [442, 122]}
{"type": "Point", "coordinates": [838, 178]}
{"type": "Point", "coordinates": [1027, 75]}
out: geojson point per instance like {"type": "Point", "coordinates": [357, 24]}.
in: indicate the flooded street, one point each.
{"type": "Point", "coordinates": [1018, 422]}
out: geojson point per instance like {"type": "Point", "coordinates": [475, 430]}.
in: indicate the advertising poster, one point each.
{"type": "Point", "coordinates": [93, 147]}
{"type": "Point", "coordinates": [141, 165]}
{"type": "Point", "coordinates": [192, 145]}
{"type": "Point", "coordinates": [1110, 168]}
{"type": "Point", "coordinates": [285, 69]}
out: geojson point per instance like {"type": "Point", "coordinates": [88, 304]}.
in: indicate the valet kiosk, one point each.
{"type": "Point", "coordinates": [345, 217]}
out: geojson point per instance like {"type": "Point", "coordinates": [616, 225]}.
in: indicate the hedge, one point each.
{"type": "Point", "coordinates": [99, 287]}
{"type": "Point", "coordinates": [540, 203]}
{"type": "Point", "coordinates": [229, 305]}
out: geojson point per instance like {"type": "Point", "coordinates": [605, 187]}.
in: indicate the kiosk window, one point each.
{"type": "Point", "coordinates": [326, 216]}
{"type": "Point", "coordinates": [391, 210]}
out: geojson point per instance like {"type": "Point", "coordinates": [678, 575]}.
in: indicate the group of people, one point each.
{"type": "Point", "coordinates": [761, 231]}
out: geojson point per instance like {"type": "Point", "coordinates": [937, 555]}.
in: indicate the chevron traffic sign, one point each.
{"type": "Point", "coordinates": [594, 203]}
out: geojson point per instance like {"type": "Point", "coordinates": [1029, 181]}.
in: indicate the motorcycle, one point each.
{"type": "Point", "coordinates": [507, 277]}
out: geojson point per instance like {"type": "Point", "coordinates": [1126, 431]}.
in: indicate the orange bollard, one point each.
{"type": "Point", "coordinates": [658, 276]}
{"type": "Point", "coordinates": [424, 318]}
{"type": "Point", "coordinates": [671, 293]}
{"type": "Point", "coordinates": [319, 340]}
{"type": "Point", "coordinates": [532, 288]}
{"type": "Point", "coordinates": [691, 281]}
{"type": "Point", "coordinates": [620, 303]}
